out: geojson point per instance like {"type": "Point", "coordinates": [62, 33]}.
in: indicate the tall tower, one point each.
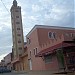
{"type": "Point", "coordinates": [17, 30]}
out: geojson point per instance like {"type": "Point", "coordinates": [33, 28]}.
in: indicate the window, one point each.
{"type": "Point", "coordinates": [67, 34]}
{"type": "Point", "coordinates": [20, 54]}
{"type": "Point", "coordinates": [20, 48]}
{"type": "Point", "coordinates": [12, 17]}
{"type": "Point", "coordinates": [30, 53]}
{"type": "Point", "coordinates": [28, 40]}
{"type": "Point", "coordinates": [19, 41]}
{"type": "Point", "coordinates": [51, 35]}
{"type": "Point", "coordinates": [35, 51]}
{"type": "Point", "coordinates": [48, 58]}
{"type": "Point", "coordinates": [17, 22]}
{"type": "Point", "coordinates": [13, 35]}
{"type": "Point", "coordinates": [18, 28]}
{"type": "Point", "coordinates": [18, 34]}
{"type": "Point", "coordinates": [17, 16]}
{"type": "Point", "coordinates": [71, 34]}
{"type": "Point", "coordinates": [16, 10]}
{"type": "Point", "coordinates": [54, 35]}
{"type": "Point", "coordinates": [12, 23]}
{"type": "Point", "coordinates": [71, 58]}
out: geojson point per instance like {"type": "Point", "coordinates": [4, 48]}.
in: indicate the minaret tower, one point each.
{"type": "Point", "coordinates": [17, 30]}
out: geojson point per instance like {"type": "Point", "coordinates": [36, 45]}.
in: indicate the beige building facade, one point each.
{"type": "Point", "coordinates": [17, 35]}
{"type": "Point", "coordinates": [17, 30]}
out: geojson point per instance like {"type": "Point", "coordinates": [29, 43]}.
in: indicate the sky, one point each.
{"type": "Point", "coordinates": [34, 12]}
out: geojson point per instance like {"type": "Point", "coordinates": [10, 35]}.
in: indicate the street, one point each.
{"type": "Point", "coordinates": [32, 74]}
{"type": "Point", "coordinates": [14, 74]}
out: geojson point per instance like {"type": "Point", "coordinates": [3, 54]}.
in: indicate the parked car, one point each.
{"type": "Point", "coordinates": [4, 70]}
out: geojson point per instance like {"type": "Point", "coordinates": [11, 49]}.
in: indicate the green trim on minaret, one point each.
{"type": "Point", "coordinates": [15, 3]}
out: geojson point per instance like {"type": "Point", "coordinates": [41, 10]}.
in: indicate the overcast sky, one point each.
{"type": "Point", "coordinates": [41, 12]}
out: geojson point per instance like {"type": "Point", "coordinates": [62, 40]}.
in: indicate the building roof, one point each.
{"type": "Point", "coordinates": [49, 27]}
{"type": "Point", "coordinates": [52, 49]}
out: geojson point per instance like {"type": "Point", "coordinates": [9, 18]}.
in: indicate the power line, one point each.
{"type": "Point", "coordinates": [5, 6]}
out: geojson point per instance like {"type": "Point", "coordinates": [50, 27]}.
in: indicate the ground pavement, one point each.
{"type": "Point", "coordinates": [14, 74]}
{"type": "Point", "coordinates": [35, 73]}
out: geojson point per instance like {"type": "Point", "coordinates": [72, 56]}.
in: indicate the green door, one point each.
{"type": "Point", "coordinates": [60, 58]}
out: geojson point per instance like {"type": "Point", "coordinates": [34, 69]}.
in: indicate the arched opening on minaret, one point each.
{"type": "Point", "coordinates": [15, 3]}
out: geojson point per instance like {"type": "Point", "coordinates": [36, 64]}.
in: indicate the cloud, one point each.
{"type": "Point", "coordinates": [65, 20]}
{"type": "Point", "coordinates": [61, 14]}
{"type": "Point", "coordinates": [6, 40]}
{"type": "Point", "coordinates": [32, 18]}
{"type": "Point", "coordinates": [45, 2]}
{"type": "Point", "coordinates": [0, 28]}
{"type": "Point", "coordinates": [35, 8]}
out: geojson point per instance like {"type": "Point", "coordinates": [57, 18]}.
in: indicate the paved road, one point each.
{"type": "Point", "coordinates": [31, 74]}
{"type": "Point", "coordinates": [23, 74]}
{"type": "Point", "coordinates": [13, 74]}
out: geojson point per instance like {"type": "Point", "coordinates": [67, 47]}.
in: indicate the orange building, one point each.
{"type": "Point", "coordinates": [24, 59]}
{"type": "Point", "coordinates": [51, 48]}
{"type": "Point", "coordinates": [21, 64]}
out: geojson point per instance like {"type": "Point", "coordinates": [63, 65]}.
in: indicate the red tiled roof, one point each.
{"type": "Point", "coordinates": [53, 48]}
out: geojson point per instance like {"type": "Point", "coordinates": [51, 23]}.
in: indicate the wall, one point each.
{"type": "Point", "coordinates": [37, 63]}
{"type": "Point", "coordinates": [53, 65]}
{"type": "Point", "coordinates": [61, 35]}
{"type": "Point", "coordinates": [7, 60]}
{"type": "Point", "coordinates": [39, 39]}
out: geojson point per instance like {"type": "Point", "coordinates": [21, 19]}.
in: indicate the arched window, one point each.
{"type": "Point", "coordinates": [52, 35]}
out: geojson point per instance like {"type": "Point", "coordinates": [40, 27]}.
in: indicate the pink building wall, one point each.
{"type": "Point", "coordinates": [39, 39]}
{"type": "Point", "coordinates": [37, 63]}
{"type": "Point", "coordinates": [53, 65]}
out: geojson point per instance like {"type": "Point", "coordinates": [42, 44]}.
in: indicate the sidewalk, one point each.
{"type": "Point", "coordinates": [41, 73]}
{"type": "Point", "coordinates": [20, 72]}
{"type": "Point", "coordinates": [47, 73]}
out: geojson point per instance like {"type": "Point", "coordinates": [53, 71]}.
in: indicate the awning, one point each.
{"type": "Point", "coordinates": [52, 49]}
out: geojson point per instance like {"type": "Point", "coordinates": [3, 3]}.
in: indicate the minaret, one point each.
{"type": "Point", "coordinates": [15, 3]}
{"type": "Point", "coordinates": [17, 30]}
